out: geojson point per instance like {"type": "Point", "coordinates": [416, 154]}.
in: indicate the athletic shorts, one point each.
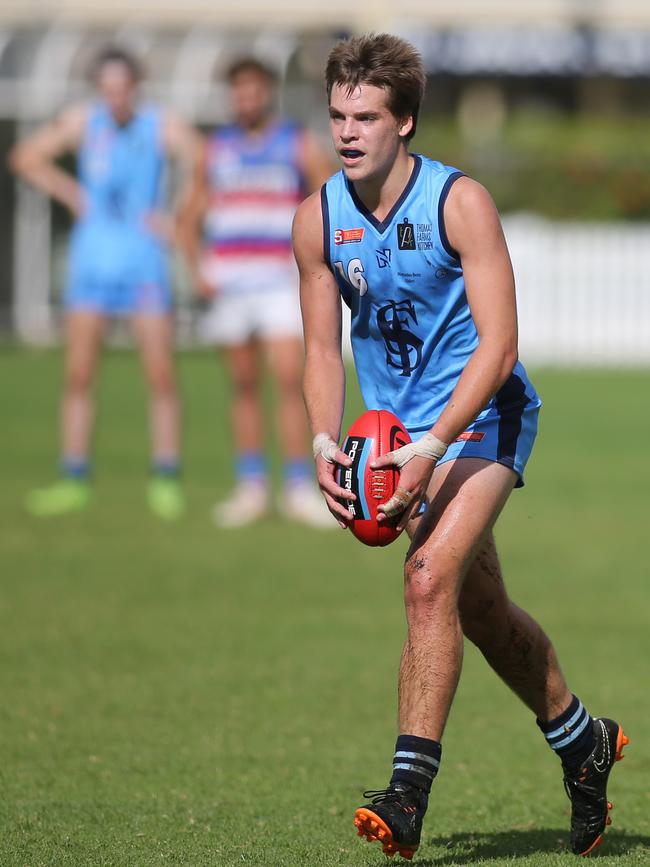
{"type": "Point", "coordinates": [117, 279]}
{"type": "Point", "coordinates": [235, 319]}
{"type": "Point", "coordinates": [503, 439]}
{"type": "Point", "coordinates": [119, 299]}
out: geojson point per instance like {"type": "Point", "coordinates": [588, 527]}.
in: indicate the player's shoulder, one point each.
{"type": "Point", "coordinates": [72, 121]}
{"type": "Point", "coordinates": [309, 213]}
{"type": "Point", "coordinates": [469, 197]}
{"type": "Point", "coordinates": [307, 232]}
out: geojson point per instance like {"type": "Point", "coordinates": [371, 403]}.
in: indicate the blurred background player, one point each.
{"type": "Point", "coordinates": [254, 174]}
{"type": "Point", "coordinates": [117, 265]}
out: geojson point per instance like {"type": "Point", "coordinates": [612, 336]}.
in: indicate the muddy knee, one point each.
{"type": "Point", "coordinates": [428, 584]}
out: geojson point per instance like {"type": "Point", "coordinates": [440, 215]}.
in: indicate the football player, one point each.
{"type": "Point", "coordinates": [416, 250]}
{"type": "Point", "coordinates": [117, 264]}
{"type": "Point", "coordinates": [255, 171]}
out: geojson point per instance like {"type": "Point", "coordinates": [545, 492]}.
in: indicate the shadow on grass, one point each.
{"type": "Point", "coordinates": [469, 848]}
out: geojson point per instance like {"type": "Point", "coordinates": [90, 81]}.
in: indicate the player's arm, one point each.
{"type": "Point", "coordinates": [474, 231]}
{"type": "Point", "coordinates": [315, 163]}
{"type": "Point", "coordinates": [183, 145]}
{"type": "Point", "coordinates": [324, 373]}
{"type": "Point", "coordinates": [34, 158]}
{"type": "Point", "coordinates": [190, 217]}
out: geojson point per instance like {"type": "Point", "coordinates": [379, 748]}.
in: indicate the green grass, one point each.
{"type": "Point", "coordinates": [180, 695]}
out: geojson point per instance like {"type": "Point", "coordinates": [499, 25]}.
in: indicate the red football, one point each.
{"type": "Point", "coordinates": [372, 434]}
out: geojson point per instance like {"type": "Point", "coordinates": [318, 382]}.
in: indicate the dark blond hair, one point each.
{"type": "Point", "coordinates": [384, 61]}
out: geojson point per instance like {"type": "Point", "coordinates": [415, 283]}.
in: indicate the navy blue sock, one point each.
{"type": "Point", "coordinates": [75, 468]}
{"type": "Point", "coordinates": [571, 734]}
{"type": "Point", "coordinates": [416, 761]}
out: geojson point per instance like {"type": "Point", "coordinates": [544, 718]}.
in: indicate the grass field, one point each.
{"type": "Point", "coordinates": [177, 695]}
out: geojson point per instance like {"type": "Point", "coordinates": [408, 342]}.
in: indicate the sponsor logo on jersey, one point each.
{"type": "Point", "coordinates": [470, 436]}
{"type": "Point", "coordinates": [403, 347]}
{"type": "Point", "coordinates": [405, 235]}
{"type": "Point", "coordinates": [348, 236]}
{"type": "Point", "coordinates": [409, 276]}
{"type": "Point", "coordinates": [423, 236]}
{"type": "Point", "coordinates": [383, 258]}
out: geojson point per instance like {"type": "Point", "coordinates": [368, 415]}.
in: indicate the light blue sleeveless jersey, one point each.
{"type": "Point", "coordinates": [412, 330]}
{"type": "Point", "coordinates": [113, 250]}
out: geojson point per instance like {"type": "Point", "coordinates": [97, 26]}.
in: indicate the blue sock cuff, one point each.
{"type": "Point", "coordinates": [571, 734]}
{"type": "Point", "coordinates": [298, 470]}
{"type": "Point", "coordinates": [251, 465]}
{"type": "Point", "coordinates": [75, 468]}
{"type": "Point", "coordinates": [168, 468]}
{"type": "Point", "coordinates": [416, 761]}
{"type": "Point", "coordinates": [563, 719]}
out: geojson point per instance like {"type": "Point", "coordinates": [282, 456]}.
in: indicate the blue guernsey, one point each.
{"type": "Point", "coordinates": [412, 329]}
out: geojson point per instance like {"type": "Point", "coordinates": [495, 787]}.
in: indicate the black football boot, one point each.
{"type": "Point", "coordinates": [586, 787]}
{"type": "Point", "coordinates": [394, 817]}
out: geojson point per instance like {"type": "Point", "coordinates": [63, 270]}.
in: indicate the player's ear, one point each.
{"type": "Point", "coordinates": [405, 126]}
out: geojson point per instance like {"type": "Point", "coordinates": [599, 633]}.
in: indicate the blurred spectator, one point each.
{"type": "Point", "coordinates": [254, 174]}
{"type": "Point", "coordinates": [117, 264]}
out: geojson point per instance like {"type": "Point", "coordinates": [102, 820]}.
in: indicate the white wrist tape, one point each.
{"type": "Point", "coordinates": [428, 446]}
{"type": "Point", "coordinates": [325, 446]}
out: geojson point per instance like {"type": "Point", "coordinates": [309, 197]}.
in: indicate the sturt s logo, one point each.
{"type": "Point", "coordinates": [383, 258]}
{"type": "Point", "coordinates": [405, 235]}
{"type": "Point", "coordinates": [403, 348]}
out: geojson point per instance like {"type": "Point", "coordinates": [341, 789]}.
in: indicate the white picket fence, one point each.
{"type": "Point", "coordinates": [583, 288]}
{"type": "Point", "coordinates": [583, 291]}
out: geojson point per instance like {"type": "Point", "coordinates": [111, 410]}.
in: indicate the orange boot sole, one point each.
{"type": "Point", "coordinates": [372, 827]}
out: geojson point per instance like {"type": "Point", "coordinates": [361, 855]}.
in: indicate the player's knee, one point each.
{"type": "Point", "coordinates": [78, 379]}
{"type": "Point", "coordinates": [428, 584]}
{"type": "Point", "coordinates": [162, 381]}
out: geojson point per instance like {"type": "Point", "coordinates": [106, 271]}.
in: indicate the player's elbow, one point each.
{"type": "Point", "coordinates": [509, 357]}
{"type": "Point", "coordinates": [20, 160]}
{"type": "Point", "coordinates": [15, 160]}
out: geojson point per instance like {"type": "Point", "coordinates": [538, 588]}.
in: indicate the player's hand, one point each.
{"type": "Point", "coordinates": [77, 203]}
{"type": "Point", "coordinates": [328, 457]}
{"type": "Point", "coordinates": [416, 462]}
{"type": "Point", "coordinates": [204, 291]}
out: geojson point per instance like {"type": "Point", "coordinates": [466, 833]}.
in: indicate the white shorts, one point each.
{"type": "Point", "coordinates": [235, 319]}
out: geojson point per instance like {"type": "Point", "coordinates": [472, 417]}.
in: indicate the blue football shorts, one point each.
{"type": "Point", "coordinates": [504, 439]}
{"type": "Point", "coordinates": [118, 285]}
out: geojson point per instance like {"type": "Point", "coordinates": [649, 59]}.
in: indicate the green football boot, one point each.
{"type": "Point", "coordinates": [66, 495]}
{"type": "Point", "coordinates": [165, 498]}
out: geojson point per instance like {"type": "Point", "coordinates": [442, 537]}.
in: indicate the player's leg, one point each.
{"type": "Point", "coordinates": [300, 500]}
{"type": "Point", "coordinates": [83, 332]}
{"type": "Point", "coordinates": [519, 651]}
{"type": "Point", "coordinates": [514, 645]}
{"type": "Point", "coordinates": [250, 499]}
{"type": "Point", "coordinates": [466, 497]}
{"type": "Point", "coordinates": [154, 336]}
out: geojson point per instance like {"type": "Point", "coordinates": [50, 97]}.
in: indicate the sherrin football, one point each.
{"type": "Point", "coordinates": [372, 434]}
